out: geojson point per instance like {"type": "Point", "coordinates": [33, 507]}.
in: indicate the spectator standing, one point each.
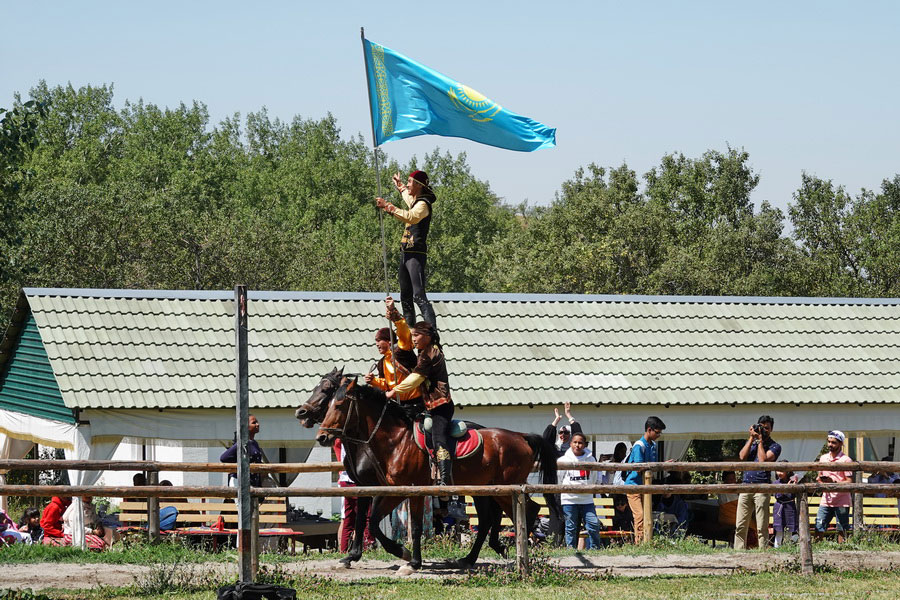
{"type": "Point", "coordinates": [784, 513]}
{"type": "Point", "coordinates": [834, 504]}
{"type": "Point", "coordinates": [619, 454]}
{"type": "Point", "coordinates": [349, 506]}
{"type": "Point", "coordinates": [759, 447]}
{"type": "Point", "coordinates": [644, 450]}
{"type": "Point", "coordinates": [579, 507]}
{"type": "Point", "coordinates": [557, 520]}
{"type": "Point", "coordinates": [254, 454]}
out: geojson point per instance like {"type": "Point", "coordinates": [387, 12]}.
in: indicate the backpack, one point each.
{"type": "Point", "coordinates": [627, 474]}
{"type": "Point", "coordinates": [255, 591]}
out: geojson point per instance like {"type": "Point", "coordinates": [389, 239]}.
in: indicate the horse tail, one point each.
{"type": "Point", "coordinates": [545, 453]}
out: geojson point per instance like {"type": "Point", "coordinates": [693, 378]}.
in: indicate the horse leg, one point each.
{"type": "Point", "coordinates": [381, 507]}
{"type": "Point", "coordinates": [496, 517]}
{"type": "Point", "coordinates": [417, 514]}
{"type": "Point", "coordinates": [359, 529]}
{"type": "Point", "coordinates": [488, 521]}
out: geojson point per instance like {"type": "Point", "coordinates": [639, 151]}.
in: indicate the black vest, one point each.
{"type": "Point", "coordinates": [415, 237]}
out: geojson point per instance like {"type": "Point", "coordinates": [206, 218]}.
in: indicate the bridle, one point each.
{"type": "Point", "coordinates": [341, 432]}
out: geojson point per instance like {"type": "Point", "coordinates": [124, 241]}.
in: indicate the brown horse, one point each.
{"type": "Point", "coordinates": [313, 411]}
{"type": "Point", "coordinates": [370, 424]}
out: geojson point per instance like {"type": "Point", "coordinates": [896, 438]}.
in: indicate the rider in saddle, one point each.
{"type": "Point", "coordinates": [430, 375]}
{"type": "Point", "coordinates": [395, 363]}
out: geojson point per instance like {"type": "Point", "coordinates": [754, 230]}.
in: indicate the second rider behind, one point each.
{"type": "Point", "coordinates": [430, 373]}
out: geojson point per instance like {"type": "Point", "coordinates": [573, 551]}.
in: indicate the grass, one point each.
{"type": "Point", "coordinates": [546, 586]}
{"type": "Point", "coordinates": [172, 550]}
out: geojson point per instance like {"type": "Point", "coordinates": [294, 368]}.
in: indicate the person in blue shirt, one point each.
{"type": "Point", "coordinates": [759, 447]}
{"type": "Point", "coordinates": [644, 450]}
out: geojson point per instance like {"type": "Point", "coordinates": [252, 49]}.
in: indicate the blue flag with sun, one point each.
{"type": "Point", "coordinates": [409, 99]}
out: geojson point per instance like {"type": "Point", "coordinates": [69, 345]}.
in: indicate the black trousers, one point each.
{"type": "Point", "coordinates": [412, 288]}
{"type": "Point", "coordinates": [440, 424]}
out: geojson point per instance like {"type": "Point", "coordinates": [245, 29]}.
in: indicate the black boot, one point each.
{"type": "Point", "coordinates": [409, 312]}
{"type": "Point", "coordinates": [455, 508]}
{"type": "Point", "coordinates": [426, 309]}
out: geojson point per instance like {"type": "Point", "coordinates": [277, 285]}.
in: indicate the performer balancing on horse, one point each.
{"type": "Point", "coordinates": [397, 362]}
{"type": "Point", "coordinates": [418, 197]}
{"type": "Point", "coordinates": [430, 373]}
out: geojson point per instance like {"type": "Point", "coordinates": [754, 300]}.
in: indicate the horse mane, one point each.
{"type": "Point", "coordinates": [370, 393]}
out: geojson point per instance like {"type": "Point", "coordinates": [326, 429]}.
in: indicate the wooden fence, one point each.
{"type": "Point", "coordinates": [518, 492]}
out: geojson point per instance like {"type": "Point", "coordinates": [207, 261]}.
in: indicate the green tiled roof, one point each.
{"type": "Point", "coordinates": [27, 384]}
{"type": "Point", "coordinates": [142, 349]}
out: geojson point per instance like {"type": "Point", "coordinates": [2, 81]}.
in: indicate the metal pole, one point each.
{"type": "Point", "coordinates": [387, 289]}
{"type": "Point", "coordinates": [858, 512]}
{"type": "Point", "coordinates": [806, 561]}
{"type": "Point", "coordinates": [242, 415]}
{"type": "Point", "coordinates": [520, 499]}
{"type": "Point", "coordinates": [648, 508]}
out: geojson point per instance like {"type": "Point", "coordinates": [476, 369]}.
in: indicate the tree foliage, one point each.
{"type": "Point", "coordinates": [151, 197]}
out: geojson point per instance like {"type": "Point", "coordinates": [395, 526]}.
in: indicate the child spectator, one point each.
{"type": "Point", "coordinates": [644, 450]}
{"type": "Point", "coordinates": [579, 508]}
{"type": "Point", "coordinates": [619, 454]}
{"type": "Point", "coordinates": [561, 440]}
{"type": "Point", "coordinates": [673, 508]}
{"type": "Point", "coordinates": [52, 521]}
{"type": "Point", "coordinates": [30, 523]}
{"type": "Point", "coordinates": [784, 513]}
{"type": "Point", "coordinates": [622, 519]}
{"type": "Point", "coordinates": [9, 533]}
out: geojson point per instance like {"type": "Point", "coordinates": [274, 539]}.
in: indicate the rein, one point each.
{"type": "Point", "coordinates": [345, 437]}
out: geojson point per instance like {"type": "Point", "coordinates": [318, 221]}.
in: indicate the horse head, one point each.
{"type": "Point", "coordinates": [313, 410]}
{"type": "Point", "coordinates": [336, 416]}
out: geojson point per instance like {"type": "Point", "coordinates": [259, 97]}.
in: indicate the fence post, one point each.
{"type": "Point", "coordinates": [648, 508]}
{"type": "Point", "coordinates": [806, 561]}
{"type": "Point", "coordinates": [858, 516]}
{"type": "Point", "coordinates": [153, 510]}
{"type": "Point", "coordinates": [520, 499]}
{"type": "Point", "coordinates": [254, 537]}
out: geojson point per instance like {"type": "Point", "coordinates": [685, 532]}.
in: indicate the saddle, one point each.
{"type": "Point", "coordinates": [463, 441]}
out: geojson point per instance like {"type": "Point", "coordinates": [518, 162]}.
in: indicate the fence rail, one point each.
{"type": "Point", "coordinates": [519, 493]}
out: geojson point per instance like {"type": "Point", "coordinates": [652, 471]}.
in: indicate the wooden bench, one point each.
{"type": "Point", "coordinates": [203, 511]}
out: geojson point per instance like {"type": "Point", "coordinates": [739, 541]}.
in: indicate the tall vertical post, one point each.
{"type": "Point", "coordinates": [242, 415]}
{"type": "Point", "coordinates": [648, 508]}
{"type": "Point", "coordinates": [520, 499]}
{"type": "Point", "coordinates": [858, 518]}
{"type": "Point", "coordinates": [806, 561]}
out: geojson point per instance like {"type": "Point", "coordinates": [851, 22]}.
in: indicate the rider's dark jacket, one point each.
{"type": "Point", "coordinates": [429, 373]}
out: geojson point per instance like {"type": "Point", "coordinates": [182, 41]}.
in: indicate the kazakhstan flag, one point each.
{"type": "Point", "coordinates": [409, 99]}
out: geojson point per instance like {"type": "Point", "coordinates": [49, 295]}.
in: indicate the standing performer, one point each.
{"type": "Point", "coordinates": [418, 197]}
{"type": "Point", "coordinates": [431, 374]}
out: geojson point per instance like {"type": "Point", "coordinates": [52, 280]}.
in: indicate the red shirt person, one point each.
{"type": "Point", "coordinates": [52, 518]}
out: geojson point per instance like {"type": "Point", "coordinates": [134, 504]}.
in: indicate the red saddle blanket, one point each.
{"type": "Point", "coordinates": [468, 444]}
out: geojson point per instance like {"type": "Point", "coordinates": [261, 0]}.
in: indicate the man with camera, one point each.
{"type": "Point", "coordinates": [759, 447]}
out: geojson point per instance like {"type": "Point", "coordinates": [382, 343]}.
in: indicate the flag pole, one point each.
{"type": "Point", "coordinates": [387, 289]}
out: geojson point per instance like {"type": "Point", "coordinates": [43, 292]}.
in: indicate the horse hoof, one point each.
{"type": "Point", "coordinates": [405, 571]}
{"type": "Point", "coordinates": [461, 564]}
{"type": "Point", "coordinates": [406, 555]}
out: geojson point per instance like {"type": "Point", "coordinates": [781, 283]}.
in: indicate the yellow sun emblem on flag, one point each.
{"type": "Point", "coordinates": [478, 106]}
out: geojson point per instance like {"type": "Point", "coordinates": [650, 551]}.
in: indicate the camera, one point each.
{"type": "Point", "coordinates": [757, 428]}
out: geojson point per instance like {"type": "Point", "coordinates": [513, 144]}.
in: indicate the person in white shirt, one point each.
{"type": "Point", "coordinates": [579, 507]}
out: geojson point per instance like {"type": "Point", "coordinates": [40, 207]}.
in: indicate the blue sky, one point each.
{"type": "Point", "coordinates": [800, 85]}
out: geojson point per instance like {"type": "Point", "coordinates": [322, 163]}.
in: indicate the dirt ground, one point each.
{"type": "Point", "coordinates": [80, 576]}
